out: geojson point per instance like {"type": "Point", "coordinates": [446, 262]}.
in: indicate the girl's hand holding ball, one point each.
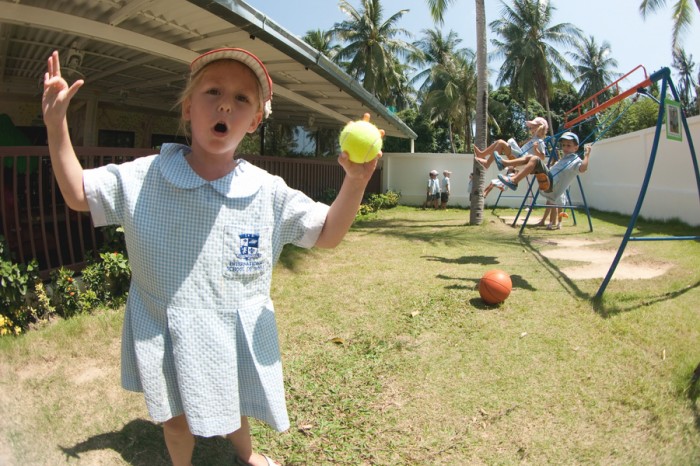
{"type": "Point", "coordinates": [361, 140]}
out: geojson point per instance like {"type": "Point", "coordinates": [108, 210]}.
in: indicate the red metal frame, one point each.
{"type": "Point", "coordinates": [582, 114]}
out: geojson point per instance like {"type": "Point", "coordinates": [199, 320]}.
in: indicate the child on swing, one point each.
{"type": "Point", "coordinates": [496, 183]}
{"type": "Point", "coordinates": [535, 145]}
{"type": "Point", "coordinates": [203, 230]}
{"type": "Point", "coordinates": [555, 180]}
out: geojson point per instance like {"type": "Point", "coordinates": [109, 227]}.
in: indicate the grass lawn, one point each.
{"type": "Point", "coordinates": [391, 357]}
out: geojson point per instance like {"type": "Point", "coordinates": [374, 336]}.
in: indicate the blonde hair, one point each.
{"type": "Point", "coordinates": [192, 82]}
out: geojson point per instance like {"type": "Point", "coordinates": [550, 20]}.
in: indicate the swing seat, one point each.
{"type": "Point", "coordinates": [543, 181]}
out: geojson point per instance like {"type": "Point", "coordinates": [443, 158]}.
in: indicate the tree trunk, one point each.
{"type": "Point", "coordinates": [549, 113]}
{"type": "Point", "coordinates": [476, 196]}
{"type": "Point", "coordinates": [467, 132]}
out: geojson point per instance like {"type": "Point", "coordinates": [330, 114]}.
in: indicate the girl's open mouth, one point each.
{"type": "Point", "coordinates": [220, 128]}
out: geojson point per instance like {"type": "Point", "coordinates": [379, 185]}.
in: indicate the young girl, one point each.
{"type": "Point", "coordinates": [535, 145]}
{"type": "Point", "coordinates": [203, 231]}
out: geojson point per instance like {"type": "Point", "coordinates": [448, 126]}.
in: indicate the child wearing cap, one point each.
{"type": "Point", "coordinates": [203, 231]}
{"type": "Point", "coordinates": [433, 190]}
{"type": "Point", "coordinates": [445, 189]}
{"type": "Point", "coordinates": [559, 176]}
{"type": "Point", "coordinates": [511, 149]}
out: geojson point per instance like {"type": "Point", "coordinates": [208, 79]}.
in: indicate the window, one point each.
{"type": "Point", "coordinates": [112, 138]}
{"type": "Point", "coordinates": [158, 140]}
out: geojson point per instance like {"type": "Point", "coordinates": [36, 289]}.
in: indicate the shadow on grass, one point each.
{"type": "Point", "coordinates": [291, 255]}
{"type": "Point", "coordinates": [481, 260]}
{"type": "Point", "coordinates": [643, 226]}
{"type": "Point", "coordinates": [141, 443]}
{"type": "Point", "coordinates": [421, 229]}
{"type": "Point", "coordinates": [694, 394]}
{"type": "Point", "coordinates": [610, 310]}
{"type": "Point", "coordinates": [602, 308]}
{"type": "Point", "coordinates": [531, 244]}
{"type": "Point", "coordinates": [518, 282]}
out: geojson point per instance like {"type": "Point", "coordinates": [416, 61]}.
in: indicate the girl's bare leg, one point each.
{"type": "Point", "coordinates": [484, 162]}
{"type": "Point", "coordinates": [179, 440]}
{"type": "Point", "coordinates": [243, 444]}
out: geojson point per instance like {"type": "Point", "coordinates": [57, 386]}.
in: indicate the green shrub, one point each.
{"type": "Point", "coordinates": [93, 276]}
{"type": "Point", "coordinates": [107, 279]}
{"type": "Point", "coordinates": [16, 312]}
{"type": "Point", "coordinates": [388, 200]}
{"type": "Point", "coordinates": [24, 299]}
{"type": "Point", "coordinates": [117, 273]}
{"type": "Point", "coordinates": [66, 294]}
{"type": "Point", "coordinates": [376, 202]}
{"type": "Point", "coordinates": [114, 239]}
{"type": "Point", "coordinates": [44, 309]}
{"type": "Point", "coordinates": [328, 196]}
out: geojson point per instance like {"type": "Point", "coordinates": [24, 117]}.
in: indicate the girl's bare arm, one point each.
{"type": "Point", "coordinates": [54, 104]}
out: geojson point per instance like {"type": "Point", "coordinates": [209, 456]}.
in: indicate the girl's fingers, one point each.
{"type": "Point", "coordinates": [50, 64]}
{"type": "Point", "coordinates": [54, 65]}
{"type": "Point", "coordinates": [57, 63]}
{"type": "Point", "coordinates": [74, 88]}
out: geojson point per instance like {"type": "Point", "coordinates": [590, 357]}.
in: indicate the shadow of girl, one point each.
{"type": "Point", "coordinates": [141, 443]}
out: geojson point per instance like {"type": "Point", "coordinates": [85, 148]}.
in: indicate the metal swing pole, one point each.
{"type": "Point", "coordinates": [663, 74]}
{"type": "Point", "coordinates": [585, 205]}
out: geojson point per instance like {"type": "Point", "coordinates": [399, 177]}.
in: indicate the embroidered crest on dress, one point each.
{"type": "Point", "coordinates": [246, 256]}
{"type": "Point", "coordinates": [248, 246]}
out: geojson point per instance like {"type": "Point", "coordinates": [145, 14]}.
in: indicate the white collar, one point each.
{"type": "Point", "coordinates": [243, 181]}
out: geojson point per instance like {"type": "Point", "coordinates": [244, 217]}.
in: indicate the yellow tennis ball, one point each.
{"type": "Point", "coordinates": [361, 140]}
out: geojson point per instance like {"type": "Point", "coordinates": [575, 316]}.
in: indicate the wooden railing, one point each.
{"type": "Point", "coordinates": [37, 224]}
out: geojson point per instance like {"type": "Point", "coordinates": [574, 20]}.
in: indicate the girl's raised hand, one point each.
{"type": "Point", "coordinates": [359, 171]}
{"type": "Point", "coordinates": [57, 94]}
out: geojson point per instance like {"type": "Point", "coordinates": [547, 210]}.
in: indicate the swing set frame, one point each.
{"type": "Point", "coordinates": [663, 75]}
{"type": "Point", "coordinates": [587, 110]}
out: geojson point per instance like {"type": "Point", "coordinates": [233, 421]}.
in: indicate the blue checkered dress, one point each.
{"type": "Point", "coordinates": [199, 333]}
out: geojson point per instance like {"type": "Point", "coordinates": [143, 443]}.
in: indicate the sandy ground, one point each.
{"type": "Point", "coordinates": [596, 260]}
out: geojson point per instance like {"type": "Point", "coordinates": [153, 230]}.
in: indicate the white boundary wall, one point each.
{"type": "Point", "coordinates": [612, 183]}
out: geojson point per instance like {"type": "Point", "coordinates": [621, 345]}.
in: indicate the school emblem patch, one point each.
{"type": "Point", "coordinates": [248, 246]}
{"type": "Point", "coordinates": [244, 254]}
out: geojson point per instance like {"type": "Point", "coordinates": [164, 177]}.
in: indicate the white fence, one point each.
{"type": "Point", "coordinates": [612, 182]}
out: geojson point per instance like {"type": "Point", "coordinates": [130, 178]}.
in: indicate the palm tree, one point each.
{"type": "Point", "coordinates": [594, 68]}
{"type": "Point", "coordinates": [686, 83]}
{"type": "Point", "coordinates": [453, 94]}
{"type": "Point", "coordinates": [402, 94]}
{"type": "Point", "coordinates": [322, 41]}
{"type": "Point", "coordinates": [437, 10]}
{"type": "Point", "coordinates": [682, 16]}
{"type": "Point", "coordinates": [433, 49]}
{"type": "Point", "coordinates": [372, 49]}
{"type": "Point", "coordinates": [529, 47]}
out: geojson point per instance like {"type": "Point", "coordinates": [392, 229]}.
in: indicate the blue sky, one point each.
{"type": "Point", "coordinates": [633, 40]}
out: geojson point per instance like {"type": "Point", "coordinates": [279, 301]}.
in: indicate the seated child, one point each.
{"type": "Point", "coordinates": [555, 180]}
{"type": "Point", "coordinates": [511, 149]}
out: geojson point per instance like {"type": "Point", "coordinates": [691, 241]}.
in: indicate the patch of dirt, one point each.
{"type": "Point", "coordinates": [530, 221]}
{"type": "Point", "coordinates": [87, 374]}
{"type": "Point", "coordinates": [598, 261]}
